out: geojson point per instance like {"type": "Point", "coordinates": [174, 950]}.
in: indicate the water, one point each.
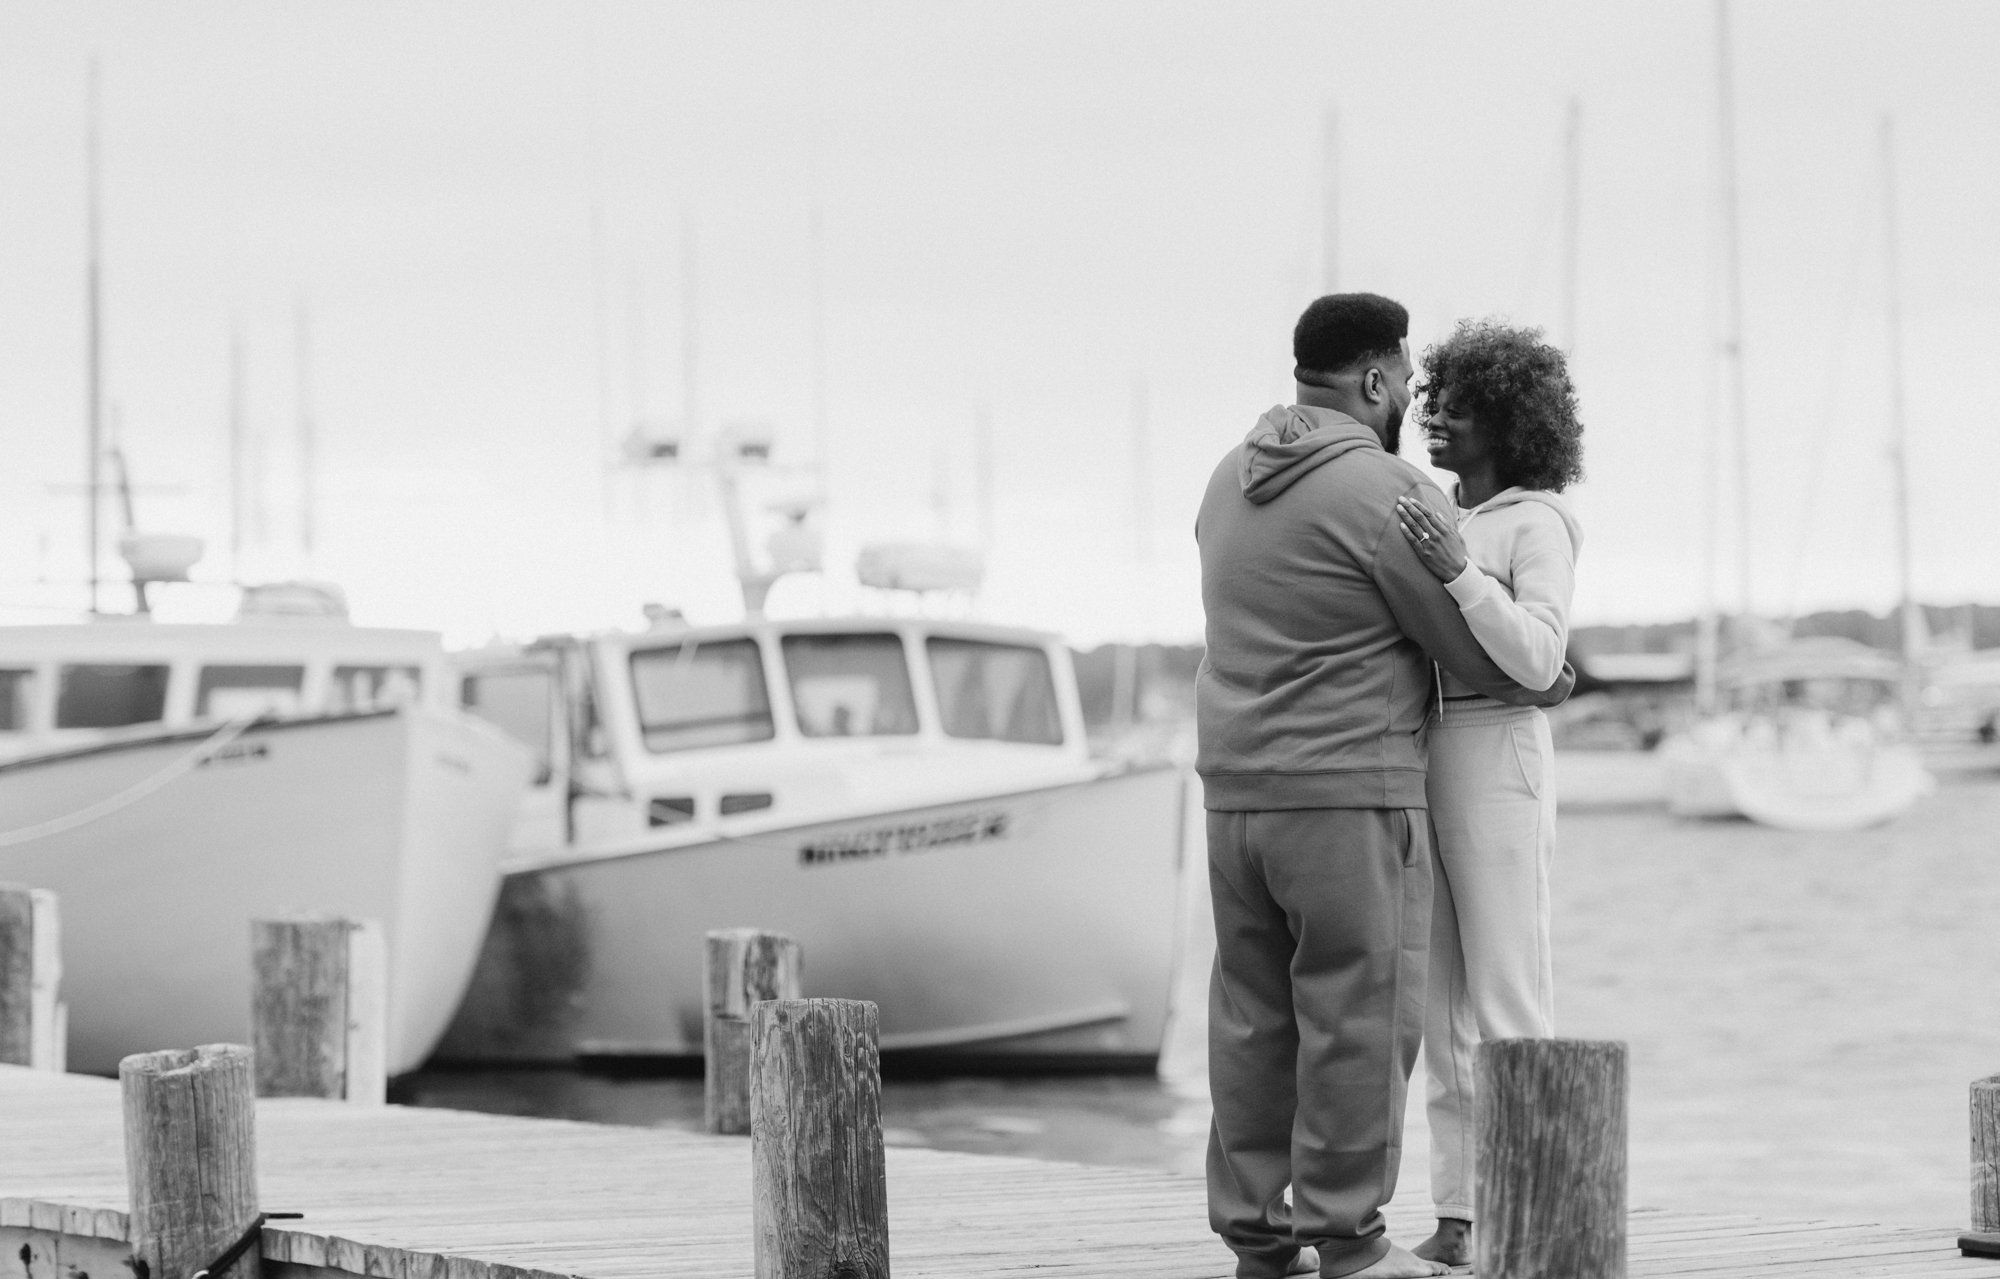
{"type": "Point", "coordinates": [1805, 1013]}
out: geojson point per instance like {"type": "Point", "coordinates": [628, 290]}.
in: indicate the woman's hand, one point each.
{"type": "Point", "coordinates": [1435, 539]}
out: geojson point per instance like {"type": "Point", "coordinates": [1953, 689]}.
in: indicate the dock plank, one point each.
{"type": "Point", "coordinates": [407, 1193]}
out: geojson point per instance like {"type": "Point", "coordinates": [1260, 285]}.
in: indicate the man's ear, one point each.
{"type": "Point", "coordinates": [1374, 386]}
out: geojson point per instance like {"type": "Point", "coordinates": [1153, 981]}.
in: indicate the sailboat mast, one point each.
{"type": "Point", "coordinates": [93, 340]}
{"type": "Point", "coordinates": [1899, 465]}
{"type": "Point", "coordinates": [1329, 197]}
{"type": "Point", "coordinates": [1572, 219]}
{"type": "Point", "coordinates": [1732, 340]}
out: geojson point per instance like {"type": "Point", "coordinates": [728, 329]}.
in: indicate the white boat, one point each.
{"type": "Point", "coordinates": [910, 798]}
{"type": "Point", "coordinates": [173, 782]}
{"type": "Point", "coordinates": [1811, 742]}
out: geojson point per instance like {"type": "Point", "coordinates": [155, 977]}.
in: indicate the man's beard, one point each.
{"type": "Point", "coordinates": [1392, 435]}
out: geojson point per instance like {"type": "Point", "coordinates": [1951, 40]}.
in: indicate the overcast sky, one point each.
{"type": "Point", "coordinates": [1045, 211]}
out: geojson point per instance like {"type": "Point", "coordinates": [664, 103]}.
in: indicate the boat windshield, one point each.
{"type": "Point", "coordinates": [14, 689]}
{"type": "Point", "coordinates": [372, 688]}
{"type": "Point", "coordinates": [850, 685]}
{"type": "Point", "coordinates": [243, 692]}
{"type": "Point", "coordinates": [692, 695]}
{"type": "Point", "coordinates": [1003, 692]}
{"type": "Point", "coordinates": [520, 700]}
{"type": "Point", "coordinates": [108, 695]}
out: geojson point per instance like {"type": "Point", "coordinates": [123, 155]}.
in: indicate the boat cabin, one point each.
{"type": "Point", "coordinates": [68, 685]}
{"type": "Point", "coordinates": [684, 733]}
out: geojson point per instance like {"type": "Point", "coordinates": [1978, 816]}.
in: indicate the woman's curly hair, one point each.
{"type": "Point", "coordinates": [1516, 387]}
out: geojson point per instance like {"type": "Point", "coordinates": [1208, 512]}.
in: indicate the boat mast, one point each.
{"type": "Point", "coordinates": [1572, 219]}
{"type": "Point", "coordinates": [1732, 341]}
{"type": "Point", "coordinates": [1329, 197]}
{"type": "Point", "coordinates": [236, 453]}
{"type": "Point", "coordinates": [1899, 466]}
{"type": "Point", "coordinates": [690, 337]}
{"type": "Point", "coordinates": [93, 339]}
{"type": "Point", "coordinates": [307, 433]}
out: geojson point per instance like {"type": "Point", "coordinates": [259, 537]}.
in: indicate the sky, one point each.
{"type": "Point", "coordinates": [514, 231]}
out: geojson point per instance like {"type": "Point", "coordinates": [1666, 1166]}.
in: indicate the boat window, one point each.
{"type": "Point", "coordinates": [521, 701]}
{"type": "Point", "coordinates": [850, 685]}
{"type": "Point", "coordinates": [1003, 692]}
{"type": "Point", "coordinates": [692, 695]}
{"type": "Point", "coordinates": [372, 688]}
{"type": "Point", "coordinates": [243, 692]}
{"type": "Point", "coordinates": [109, 695]}
{"type": "Point", "coordinates": [15, 687]}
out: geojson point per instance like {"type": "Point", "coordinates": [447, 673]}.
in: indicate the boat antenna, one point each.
{"type": "Point", "coordinates": [236, 452]}
{"type": "Point", "coordinates": [690, 336]}
{"type": "Point", "coordinates": [982, 443]}
{"type": "Point", "coordinates": [1142, 495]}
{"type": "Point", "coordinates": [1899, 463]}
{"type": "Point", "coordinates": [308, 436]}
{"type": "Point", "coordinates": [94, 333]}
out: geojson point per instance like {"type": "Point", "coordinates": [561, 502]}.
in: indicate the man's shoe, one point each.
{"type": "Point", "coordinates": [1306, 1263]}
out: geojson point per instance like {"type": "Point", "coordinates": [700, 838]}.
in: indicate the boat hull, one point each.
{"type": "Point", "coordinates": [1819, 784]}
{"type": "Point", "coordinates": [399, 816]}
{"type": "Point", "coordinates": [1028, 927]}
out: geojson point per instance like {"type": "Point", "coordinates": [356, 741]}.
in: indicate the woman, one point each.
{"type": "Point", "coordinates": [1500, 412]}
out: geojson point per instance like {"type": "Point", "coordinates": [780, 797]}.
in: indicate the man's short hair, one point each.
{"type": "Point", "coordinates": [1343, 329]}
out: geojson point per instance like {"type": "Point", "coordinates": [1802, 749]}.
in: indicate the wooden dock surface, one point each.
{"type": "Point", "coordinates": [409, 1193]}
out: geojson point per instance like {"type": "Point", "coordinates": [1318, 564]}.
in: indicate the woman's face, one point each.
{"type": "Point", "coordinates": [1455, 441]}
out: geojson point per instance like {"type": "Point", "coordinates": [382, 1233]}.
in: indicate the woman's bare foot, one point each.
{"type": "Point", "coordinates": [1401, 1263]}
{"type": "Point", "coordinates": [1452, 1244]}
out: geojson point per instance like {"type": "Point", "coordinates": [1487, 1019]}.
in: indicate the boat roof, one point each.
{"type": "Point", "coordinates": [131, 639]}
{"type": "Point", "coordinates": [844, 624]}
{"type": "Point", "coordinates": [1819, 657]}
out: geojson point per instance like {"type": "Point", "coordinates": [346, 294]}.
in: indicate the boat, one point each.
{"type": "Point", "coordinates": [910, 798]}
{"type": "Point", "coordinates": [1799, 734]}
{"type": "Point", "coordinates": [1811, 740]}
{"type": "Point", "coordinates": [172, 782]}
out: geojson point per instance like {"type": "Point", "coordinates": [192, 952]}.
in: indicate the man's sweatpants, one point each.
{"type": "Point", "coordinates": [1315, 1011]}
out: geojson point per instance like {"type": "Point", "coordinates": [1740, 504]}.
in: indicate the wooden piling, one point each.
{"type": "Point", "coordinates": [318, 1009]}
{"type": "Point", "coordinates": [1549, 1191]}
{"type": "Point", "coordinates": [819, 1191]}
{"type": "Point", "coordinates": [190, 1159]}
{"type": "Point", "coordinates": [31, 1012]}
{"type": "Point", "coordinates": [740, 967]}
{"type": "Point", "coordinates": [1983, 1240]}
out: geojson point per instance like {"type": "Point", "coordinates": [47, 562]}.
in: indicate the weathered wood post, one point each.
{"type": "Point", "coordinates": [819, 1194]}
{"type": "Point", "coordinates": [190, 1159]}
{"type": "Point", "coordinates": [740, 968]}
{"type": "Point", "coordinates": [1549, 1191]}
{"type": "Point", "coordinates": [319, 1008]}
{"type": "Point", "coordinates": [31, 1012]}
{"type": "Point", "coordinates": [1983, 1240]}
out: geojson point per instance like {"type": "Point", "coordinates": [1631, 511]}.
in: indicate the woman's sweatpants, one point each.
{"type": "Point", "coordinates": [1493, 805]}
{"type": "Point", "coordinates": [1322, 926]}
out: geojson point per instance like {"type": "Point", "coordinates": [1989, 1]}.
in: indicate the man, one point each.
{"type": "Point", "coordinates": [1311, 706]}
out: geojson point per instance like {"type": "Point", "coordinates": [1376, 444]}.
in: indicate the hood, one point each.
{"type": "Point", "coordinates": [1554, 501]}
{"type": "Point", "coordinates": [1293, 440]}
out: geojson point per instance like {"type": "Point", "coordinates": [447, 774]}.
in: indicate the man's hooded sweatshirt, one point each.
{"type": "Point", "coordinates": [1322, 623]}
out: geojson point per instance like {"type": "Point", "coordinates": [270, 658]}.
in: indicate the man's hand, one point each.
{"type": "Point", "coordinates": [1433, 538]}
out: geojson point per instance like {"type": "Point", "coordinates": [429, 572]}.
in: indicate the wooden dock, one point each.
{"type": "Point", "coordinates": [406, 1193]}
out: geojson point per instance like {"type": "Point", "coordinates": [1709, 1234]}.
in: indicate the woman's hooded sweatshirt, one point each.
{"type": "Point", "coordinates": [1322, 623]}
{"type": "Point", "coordinates": [1520, 574]}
